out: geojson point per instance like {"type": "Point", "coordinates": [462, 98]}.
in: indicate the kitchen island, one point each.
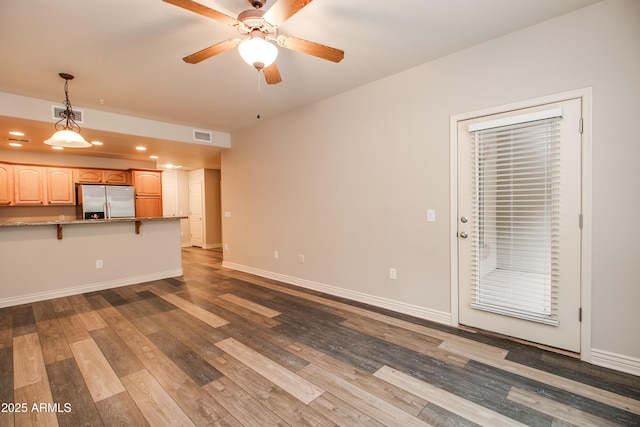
{"type": "Point", "coordinates": [44, 258]}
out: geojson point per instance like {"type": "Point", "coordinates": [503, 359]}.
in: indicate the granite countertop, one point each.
{"type": "Point", "coordinates": [16, 222]}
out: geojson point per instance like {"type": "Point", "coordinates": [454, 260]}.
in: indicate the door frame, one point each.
{"type": "Point", "coordinates": [586, 244]}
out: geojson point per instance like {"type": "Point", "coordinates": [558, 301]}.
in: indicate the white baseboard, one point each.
{"type": "Point", "coordinates": [65, 292]}
{"type": "Point", "coordinates": [397, 306]}
{"type": "Point", "coordinates": [618, 362]}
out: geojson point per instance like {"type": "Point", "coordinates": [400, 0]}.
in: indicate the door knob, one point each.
{"type": "Point", "coordinates": [464, 219]}
{"type": "Point", "coordinates": [464, 235]}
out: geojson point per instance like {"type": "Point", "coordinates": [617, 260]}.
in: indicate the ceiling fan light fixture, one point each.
{"type": "Point", "coordinates": [67, 130]}
{"type": "Point", "coordinates": [258, 52]}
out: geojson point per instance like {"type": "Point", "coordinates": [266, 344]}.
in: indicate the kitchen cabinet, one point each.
{"type": "Point", "coordinates": [29, 185]}
{"type": "Point", "coordinates": [98, 176]}
{"type": "Point", "coordinates": [148, 189]}
{"type": "Point", "coordinates": [6, 185]}
{"type": "Point", "coordinates": [87, 176]}
{"type": "Point", "coordinates": [148, 183]}
{"type": "Point", "coordinates": [148, 207]}
{"type": "Point", "coordinates": [60, 186]}
{"type": "Point", "coordinates": [115, 177]}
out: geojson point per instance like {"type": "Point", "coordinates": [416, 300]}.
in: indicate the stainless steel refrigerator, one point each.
{"type": "Point", "coordinates": [105, 201]}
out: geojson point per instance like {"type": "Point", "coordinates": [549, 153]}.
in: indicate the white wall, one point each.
{"type": "Point", "coordinates": [347, 181]}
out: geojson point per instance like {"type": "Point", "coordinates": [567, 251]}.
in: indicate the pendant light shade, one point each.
{"type": "Point", "coordinates": [258, 52]}
{"type": "Point", "coordinates": [67, 130]}
{"type": "Point", "coordinates": [67, 139]}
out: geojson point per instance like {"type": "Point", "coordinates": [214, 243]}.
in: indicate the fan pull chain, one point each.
{"type": "Point", "coordinates": [258, 103]}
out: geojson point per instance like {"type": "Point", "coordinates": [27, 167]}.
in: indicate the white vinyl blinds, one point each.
{"type": "Point", "coordinates": [516, 197]}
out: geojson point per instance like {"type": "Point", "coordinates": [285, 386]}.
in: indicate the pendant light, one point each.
{"type": "Point", "coordinates": [67, 130]}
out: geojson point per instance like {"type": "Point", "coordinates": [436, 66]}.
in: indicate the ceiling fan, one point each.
{"type": "Point", "coordinates": [258, 29]}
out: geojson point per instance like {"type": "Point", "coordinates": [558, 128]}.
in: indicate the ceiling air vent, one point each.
{"type": "Point", "coordinates": [201, 136]}
{"type": "Point", "coordinates": [57, 112]}
{"type": "Point", "coordinates": [12, 139]}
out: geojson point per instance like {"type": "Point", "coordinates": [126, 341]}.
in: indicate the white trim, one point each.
{"type": "Point", "coordinates": [397, 306]}
{"type": "Point", "coordinates": [41, 296]}
{"type": "Point", "coordinates": [516, 120]}
{"type": "Point", "coordinates": [587, 104]}
{"type": "Point", "coordinates": [618, 362]}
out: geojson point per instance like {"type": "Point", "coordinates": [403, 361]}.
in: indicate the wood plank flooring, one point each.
{"type": "Point", "coordinates": [223, 348]}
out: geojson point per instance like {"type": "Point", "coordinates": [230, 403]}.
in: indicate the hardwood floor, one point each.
{"type": "Point", "coordinates": [222, 348]}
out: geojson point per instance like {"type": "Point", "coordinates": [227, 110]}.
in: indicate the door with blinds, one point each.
{"type": "Point", "coordinates": [519, 224]}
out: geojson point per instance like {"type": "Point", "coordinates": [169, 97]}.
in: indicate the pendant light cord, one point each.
{"type": "Point", "coordinates": [68, 114]}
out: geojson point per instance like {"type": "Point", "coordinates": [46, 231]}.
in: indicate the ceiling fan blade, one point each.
{"type": "Point", "coordinates": [283, 10]}
{"type": "Point", "coordinates": [204, 11]}
{"type": "Point", "coordinates": [311, 48]}
{"type": "Point", "coordinates": [210, 51]}
{"type": "Point", "coordinates": [272, 74]}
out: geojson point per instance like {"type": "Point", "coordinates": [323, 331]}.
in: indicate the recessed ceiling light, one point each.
{"type": "Point", "coordinates": [16, 133]}
{"type": "Point", "coordinates": [97, 142]}
{"type": "Point", "coordinates": [15, 144]}
{"type": "Point", "coordinates": [141, 148]}
{"type": "Point", "coordinates": [57, 147]}
{"type": "Point", "coordinates": [154, 157]}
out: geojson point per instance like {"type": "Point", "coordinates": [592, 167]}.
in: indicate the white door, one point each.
{"type": "Point", "coordinates": [195, 213]}
{"type": "Point", "coordinates": [519, 216]}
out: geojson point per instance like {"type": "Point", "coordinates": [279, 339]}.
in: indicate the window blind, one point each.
{"type": "Point", "coordinates": [516, 202]}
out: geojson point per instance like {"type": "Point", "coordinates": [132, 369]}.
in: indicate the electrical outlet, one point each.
{"type": "Point", "coordinates": [98, 263]}
{"type": "Point", "coordinates": [301, 259]}
{"type": "Point", "coordinates": [393, 274]}
{"type": "Point", "coordinates": [431, 215]}
{"type": "Point", "coordinates": [226, 246]}
{"type": "Point", "coordinates": [275, 255]}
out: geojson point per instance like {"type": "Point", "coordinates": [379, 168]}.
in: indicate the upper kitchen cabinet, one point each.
{"type": "Point", "coordinates": [99, 176]}
{"type": "Point", "coordinates": [60, 188]}
{"type": "Point", "coordinates": [38, 185]}
{"type": "Point", "coordinates": [6, 185]}
{"type": "Point", "coordinates": [115, 177]}
{"type": "Point", "coordinates": [148, 183]}
{"type": "Point", "coordinates": [87, 176]}
{"type": "Point", "coordinates": [29, 185]}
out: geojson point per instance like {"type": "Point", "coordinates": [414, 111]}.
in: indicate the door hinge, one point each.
{"type": "Point", "coordinates": [581, 125]}
{"type": "Point", "coordinates": [580, 314]}
{"type": "Point", "coordinates": [580, 221]}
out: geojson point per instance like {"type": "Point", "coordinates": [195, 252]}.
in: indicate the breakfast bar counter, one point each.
{"type": "Point", "coordinates": [59, 222]}
{"type": "Point", "coordinates": [44, 258]}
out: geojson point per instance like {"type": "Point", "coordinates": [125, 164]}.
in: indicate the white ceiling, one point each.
{"type": "Point", "coordinates": [129, 54]}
